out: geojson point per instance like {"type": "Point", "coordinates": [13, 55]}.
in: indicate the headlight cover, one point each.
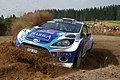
{"type": "Point", "coordinates": [22, 36]}
{"type": "Point", "coordinates": [23, 33]}
{"type": "Point", "coordinates": [64, 43]}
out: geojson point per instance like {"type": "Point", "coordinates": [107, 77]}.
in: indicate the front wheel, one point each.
{"type": "Point", "coordinates": [78, 59]}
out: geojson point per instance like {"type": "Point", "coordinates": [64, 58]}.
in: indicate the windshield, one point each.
{"type": "Point", "coordinates": [67, 27]}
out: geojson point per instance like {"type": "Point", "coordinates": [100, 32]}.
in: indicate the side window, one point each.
{"type": "Point", "coordinates": [84, 31]}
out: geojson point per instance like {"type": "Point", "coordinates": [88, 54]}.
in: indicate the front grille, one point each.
{"type": "Point", "coordinates": [40, 50]}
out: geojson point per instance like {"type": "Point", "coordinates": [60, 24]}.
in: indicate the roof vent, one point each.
{"type": "Point", "coordinates": [68, 20]}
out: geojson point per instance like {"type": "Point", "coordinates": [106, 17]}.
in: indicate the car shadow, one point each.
{"type": "Point", "coordinates": [98, 58]}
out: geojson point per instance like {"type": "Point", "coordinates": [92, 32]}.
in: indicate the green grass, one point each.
{"type": "Point", "coordinates": [117, 22]}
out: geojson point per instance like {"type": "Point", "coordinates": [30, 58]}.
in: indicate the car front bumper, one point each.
{"type": "Point", "coordinates": [60, 54]}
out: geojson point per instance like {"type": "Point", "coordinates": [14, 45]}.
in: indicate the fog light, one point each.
{"type": "Point", "coordinates": [63, 59]}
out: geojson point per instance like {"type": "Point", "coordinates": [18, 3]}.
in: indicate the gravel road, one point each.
{"type": "Point", "coordinates": [101, 64]}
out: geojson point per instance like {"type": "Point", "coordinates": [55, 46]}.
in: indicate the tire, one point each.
{"type": "Point", "coordinates": [78, 59]}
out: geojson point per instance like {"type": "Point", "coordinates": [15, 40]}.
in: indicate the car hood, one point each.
{"type": "Point", "coordinates": [45, 34]}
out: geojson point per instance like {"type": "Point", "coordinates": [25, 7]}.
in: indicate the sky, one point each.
{"type": "Point", "coordinates": [19, 7]}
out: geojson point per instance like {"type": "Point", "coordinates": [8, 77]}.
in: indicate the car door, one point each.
{"type": "Point", "coordinates": [85, 39]}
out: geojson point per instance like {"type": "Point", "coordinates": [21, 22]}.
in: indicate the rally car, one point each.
{"type": "Point", "coordinates": [67, 40]}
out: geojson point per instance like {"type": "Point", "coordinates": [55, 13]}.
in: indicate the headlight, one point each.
{"type": "Point", "coordinates": [63, 43]}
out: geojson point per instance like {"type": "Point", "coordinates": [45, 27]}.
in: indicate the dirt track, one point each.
{"type": "Point", "coordinates": [102, 63]}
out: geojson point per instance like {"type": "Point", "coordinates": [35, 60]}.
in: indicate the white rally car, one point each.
{"type": "Point", "coordinates": [67, 40]}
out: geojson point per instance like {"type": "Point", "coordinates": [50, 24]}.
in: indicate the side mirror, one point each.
{"type": "Point", "coordinates": [88, 34]}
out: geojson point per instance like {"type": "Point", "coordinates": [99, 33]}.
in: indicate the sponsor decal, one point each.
{"type": "Point", "coordinates": [32, 50]}
{"type": "Point", "coordinates": [61, 53]}
{"type": "Point", "coordinates": [41, 35]}
{"type": "Point", "coordinates": [47, 31]}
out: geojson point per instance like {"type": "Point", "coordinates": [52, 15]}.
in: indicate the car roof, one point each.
{"type": "Point", "coordinates": [67, 20]}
